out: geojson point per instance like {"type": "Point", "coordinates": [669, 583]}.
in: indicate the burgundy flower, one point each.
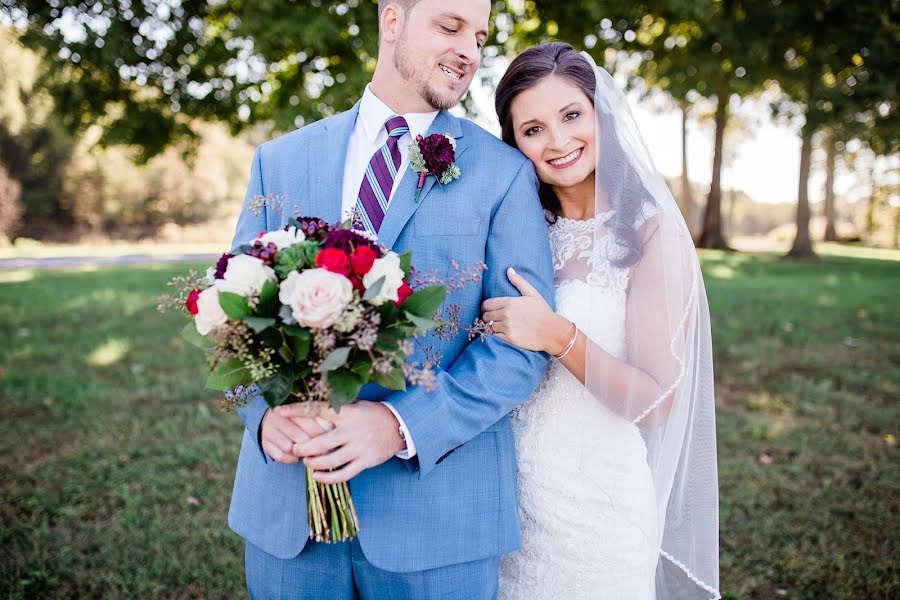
{"type": "Point", "coordinates": [348, 240]}
{"type": "Point", "coordinates": [265, 253]}
{"type": "Point", "coordinates": [314, 228]}
{"type": "Point", "coordinates": [438, 152]}
{"type": "Point", "coordinates": [222, 264]}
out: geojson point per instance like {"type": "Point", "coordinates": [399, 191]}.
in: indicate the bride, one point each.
{"type": "Point", "coordinates": [616, 448]}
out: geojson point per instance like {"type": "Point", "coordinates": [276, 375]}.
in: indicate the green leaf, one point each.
{"type": "Point", "coordinates": [406, 263]}
{"type": "Point", "coordinates": [362, 367]}
{"type": "Point", "coordinates": [228, 375]}
{"type": "Point", "coordinates": [293, 222]}
{"type": "Point", "coordinates": [286, 353]}
{"type": "Point", "coordinates": [242, 249]}
{"type": "Point", "coordinates": [374, 289]}
{"type": "Point", "coordinates": [392, 381]}
{"type": "Point", "coordinates": [345, 387]}
{"type": "Point", "coordinates": [425, 302]}
{"type": "Point", "coordinates": [277, 388]}
{"type": "Point", "coordinates": [193, 337]}
{"type": "Point", "coordinates": [422, 324]}
{"type": "Point", "coordinates": [259, 324]}
{"type": "Point", "coordinates": [388, 339]}
{"type": "Point", "coordinates": [336, 360]}
{"type": "Point", "coordinates": [268, 300]}
{"type": "Point", "coordinates": [300, 341]}
{"type": "Point", "coordinates": [234, 305]}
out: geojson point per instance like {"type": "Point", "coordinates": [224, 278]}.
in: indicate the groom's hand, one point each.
{"type": "Point", "coordinates": [365, 435]}
{"type": "Point", "coordinates": [279, 433]}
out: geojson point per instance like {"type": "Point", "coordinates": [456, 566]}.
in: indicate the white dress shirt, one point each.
{"type": "Point", "coordinates": [368, 136]}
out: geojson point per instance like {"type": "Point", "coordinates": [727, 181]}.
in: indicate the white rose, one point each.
{"type": "Point", "coordinates": [209, 312]}
{"type": "Point", "coordinates": [389, 268]}
{"type": "Point", "coordinates": [281, 238]}
{"type": "Point", "coordinates": [245, 276]}
{"type": "Point", "coordinates": [316, 297]}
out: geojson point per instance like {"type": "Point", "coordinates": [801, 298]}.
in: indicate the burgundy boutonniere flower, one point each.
{"type": "Point", "coordinates": [434, 155]}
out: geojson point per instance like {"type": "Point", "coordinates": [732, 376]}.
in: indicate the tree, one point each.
{"type": "Point", "coordinates": [839, 57]}
{"type": "Point", "coordinates": [688, 49]}
{"type": "Point", "coordinates": [144, 69]}
{"type": "Point", "coordinates": [10, 206]}
{"type": "Point", "coordinates": [830, 158]}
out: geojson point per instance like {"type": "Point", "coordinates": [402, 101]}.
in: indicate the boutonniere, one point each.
{"type": "Point", "coordinates": [433, 155]}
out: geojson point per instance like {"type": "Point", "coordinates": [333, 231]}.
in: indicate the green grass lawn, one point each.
{"type": "Point", "coordinates": [116, 467]}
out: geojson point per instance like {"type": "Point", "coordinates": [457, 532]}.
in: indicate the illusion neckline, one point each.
{"type": "Point", "coordinates": [602, 217]}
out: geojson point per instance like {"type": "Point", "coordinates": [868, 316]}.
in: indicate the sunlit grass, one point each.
{"type": "Point", "coordinates": [116, 468]}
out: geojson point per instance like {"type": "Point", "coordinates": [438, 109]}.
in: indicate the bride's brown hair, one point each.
{"type": "Point", "coordinates": [560, 59]}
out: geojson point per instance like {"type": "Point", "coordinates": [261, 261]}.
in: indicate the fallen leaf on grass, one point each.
{"type": "Point", "coordinates": [193, 501]}
{"type": "Point", "coordinates": [765, 459]}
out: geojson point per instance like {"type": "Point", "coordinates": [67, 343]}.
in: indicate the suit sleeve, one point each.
{"type": "Point", "coordinates": [248, 226]}
{"type": "Point", "coordinates": [492, 377]}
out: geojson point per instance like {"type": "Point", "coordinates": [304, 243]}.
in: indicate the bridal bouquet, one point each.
{"type": "Point", "coordinates": [308, 313]}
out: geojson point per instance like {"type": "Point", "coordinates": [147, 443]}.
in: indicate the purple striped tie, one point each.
{"type": "Point", "coordinates": [375, 190]}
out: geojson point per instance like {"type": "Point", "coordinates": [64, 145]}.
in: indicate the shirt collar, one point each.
{"type": "Point", "coordinates": [374, 113]}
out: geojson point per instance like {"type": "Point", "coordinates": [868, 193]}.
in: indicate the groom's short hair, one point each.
{"type": "Point", "coordinates": [406, 4]}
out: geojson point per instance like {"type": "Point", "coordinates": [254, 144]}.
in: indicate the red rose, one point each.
{"type": "Point", "coordinates": [358, 285]}
{"type": "Point", "coordinates": [191, 302]}
{"type": "Point", "coordinates": [362, 260]}
{"type": "Point", "coordinates": [403, 292]}
{"type": "Point", "coordinates": [334, 260]}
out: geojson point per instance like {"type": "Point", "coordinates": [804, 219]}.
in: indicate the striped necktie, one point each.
{"type": "Point", "coordinates": [375, 191]}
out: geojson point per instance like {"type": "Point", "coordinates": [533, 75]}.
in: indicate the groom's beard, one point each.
{"type": "Point", "coordinates": [406, 66]}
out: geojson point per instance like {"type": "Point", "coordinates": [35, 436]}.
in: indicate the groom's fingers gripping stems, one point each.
{"type": "Point", "coordinates": [333, 460]}
{"type": "Point", "coordinates": [278, 446]}
{"type": "Point", "coordinates": [342, 475]}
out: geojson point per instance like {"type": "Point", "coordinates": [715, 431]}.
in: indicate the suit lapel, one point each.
{"type": "Point", "coordinates": [403, 204]}
{"type": "Point", "coordinates": [326, 159]}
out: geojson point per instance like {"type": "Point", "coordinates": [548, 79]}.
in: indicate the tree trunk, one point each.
{"type": "Point", "coordinates": [802, 247]}
{"type": "Point", "coordinates": [830, 231]}
{"type": "Point", "coordinates": [872, 209]}
{"type": "Point", "coordinates": [897, 227]}
{"type": "Point", "coordinates": [687, 195]}
{"type": "Point", "coordinates": [711, 236]}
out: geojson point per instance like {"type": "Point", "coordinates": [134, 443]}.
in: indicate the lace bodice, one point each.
{"type": "Point", "coordinates": [585, 491]}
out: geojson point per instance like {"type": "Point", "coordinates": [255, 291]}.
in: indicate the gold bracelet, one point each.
{"type": "Point", "coordinates": [569, 346]}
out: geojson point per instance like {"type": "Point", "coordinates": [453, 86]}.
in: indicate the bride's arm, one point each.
{"type": "Point", "coordinates": [628, 388]}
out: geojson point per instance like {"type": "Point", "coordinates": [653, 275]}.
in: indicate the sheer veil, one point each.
{"type": "Point", "coordinates": [662, 380]}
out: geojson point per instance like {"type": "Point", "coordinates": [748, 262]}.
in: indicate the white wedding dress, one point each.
{"type": "Point", "coordinates": [586, 500]}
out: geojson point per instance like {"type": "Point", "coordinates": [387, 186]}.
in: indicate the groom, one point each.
{"type": "Point", "coordinates": [433, 473]}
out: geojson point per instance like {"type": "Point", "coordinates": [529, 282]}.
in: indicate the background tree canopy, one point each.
{"type": "Point", "coordinates": [147, 74]}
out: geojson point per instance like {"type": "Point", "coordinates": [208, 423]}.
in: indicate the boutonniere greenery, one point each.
{"type": "Point", "coordinates": [433, 155]}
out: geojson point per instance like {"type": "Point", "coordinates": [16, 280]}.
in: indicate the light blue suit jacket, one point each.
{"type": "Point", "coordinates": [456, 500]}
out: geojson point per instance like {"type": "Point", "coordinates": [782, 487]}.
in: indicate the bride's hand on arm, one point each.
{"type": "Point", "coordinates": [527, 321]}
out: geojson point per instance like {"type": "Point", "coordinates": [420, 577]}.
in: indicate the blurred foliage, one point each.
{"type": "Point", "coordinates": [75, 185]}
{"type": "Point", "coordinates": [143, 69]}
{"type": "Point", "coordinates": [147, 75]}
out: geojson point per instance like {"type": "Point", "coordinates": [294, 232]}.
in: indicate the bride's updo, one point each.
{"type": "Point", "coordinates": [560, 59]}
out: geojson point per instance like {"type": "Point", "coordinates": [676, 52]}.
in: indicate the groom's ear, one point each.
{"type": "Point", "coordinates": [390, 21]}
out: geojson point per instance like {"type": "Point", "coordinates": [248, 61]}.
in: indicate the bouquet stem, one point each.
{"type": "Point", "coordinates": [331, 514]}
